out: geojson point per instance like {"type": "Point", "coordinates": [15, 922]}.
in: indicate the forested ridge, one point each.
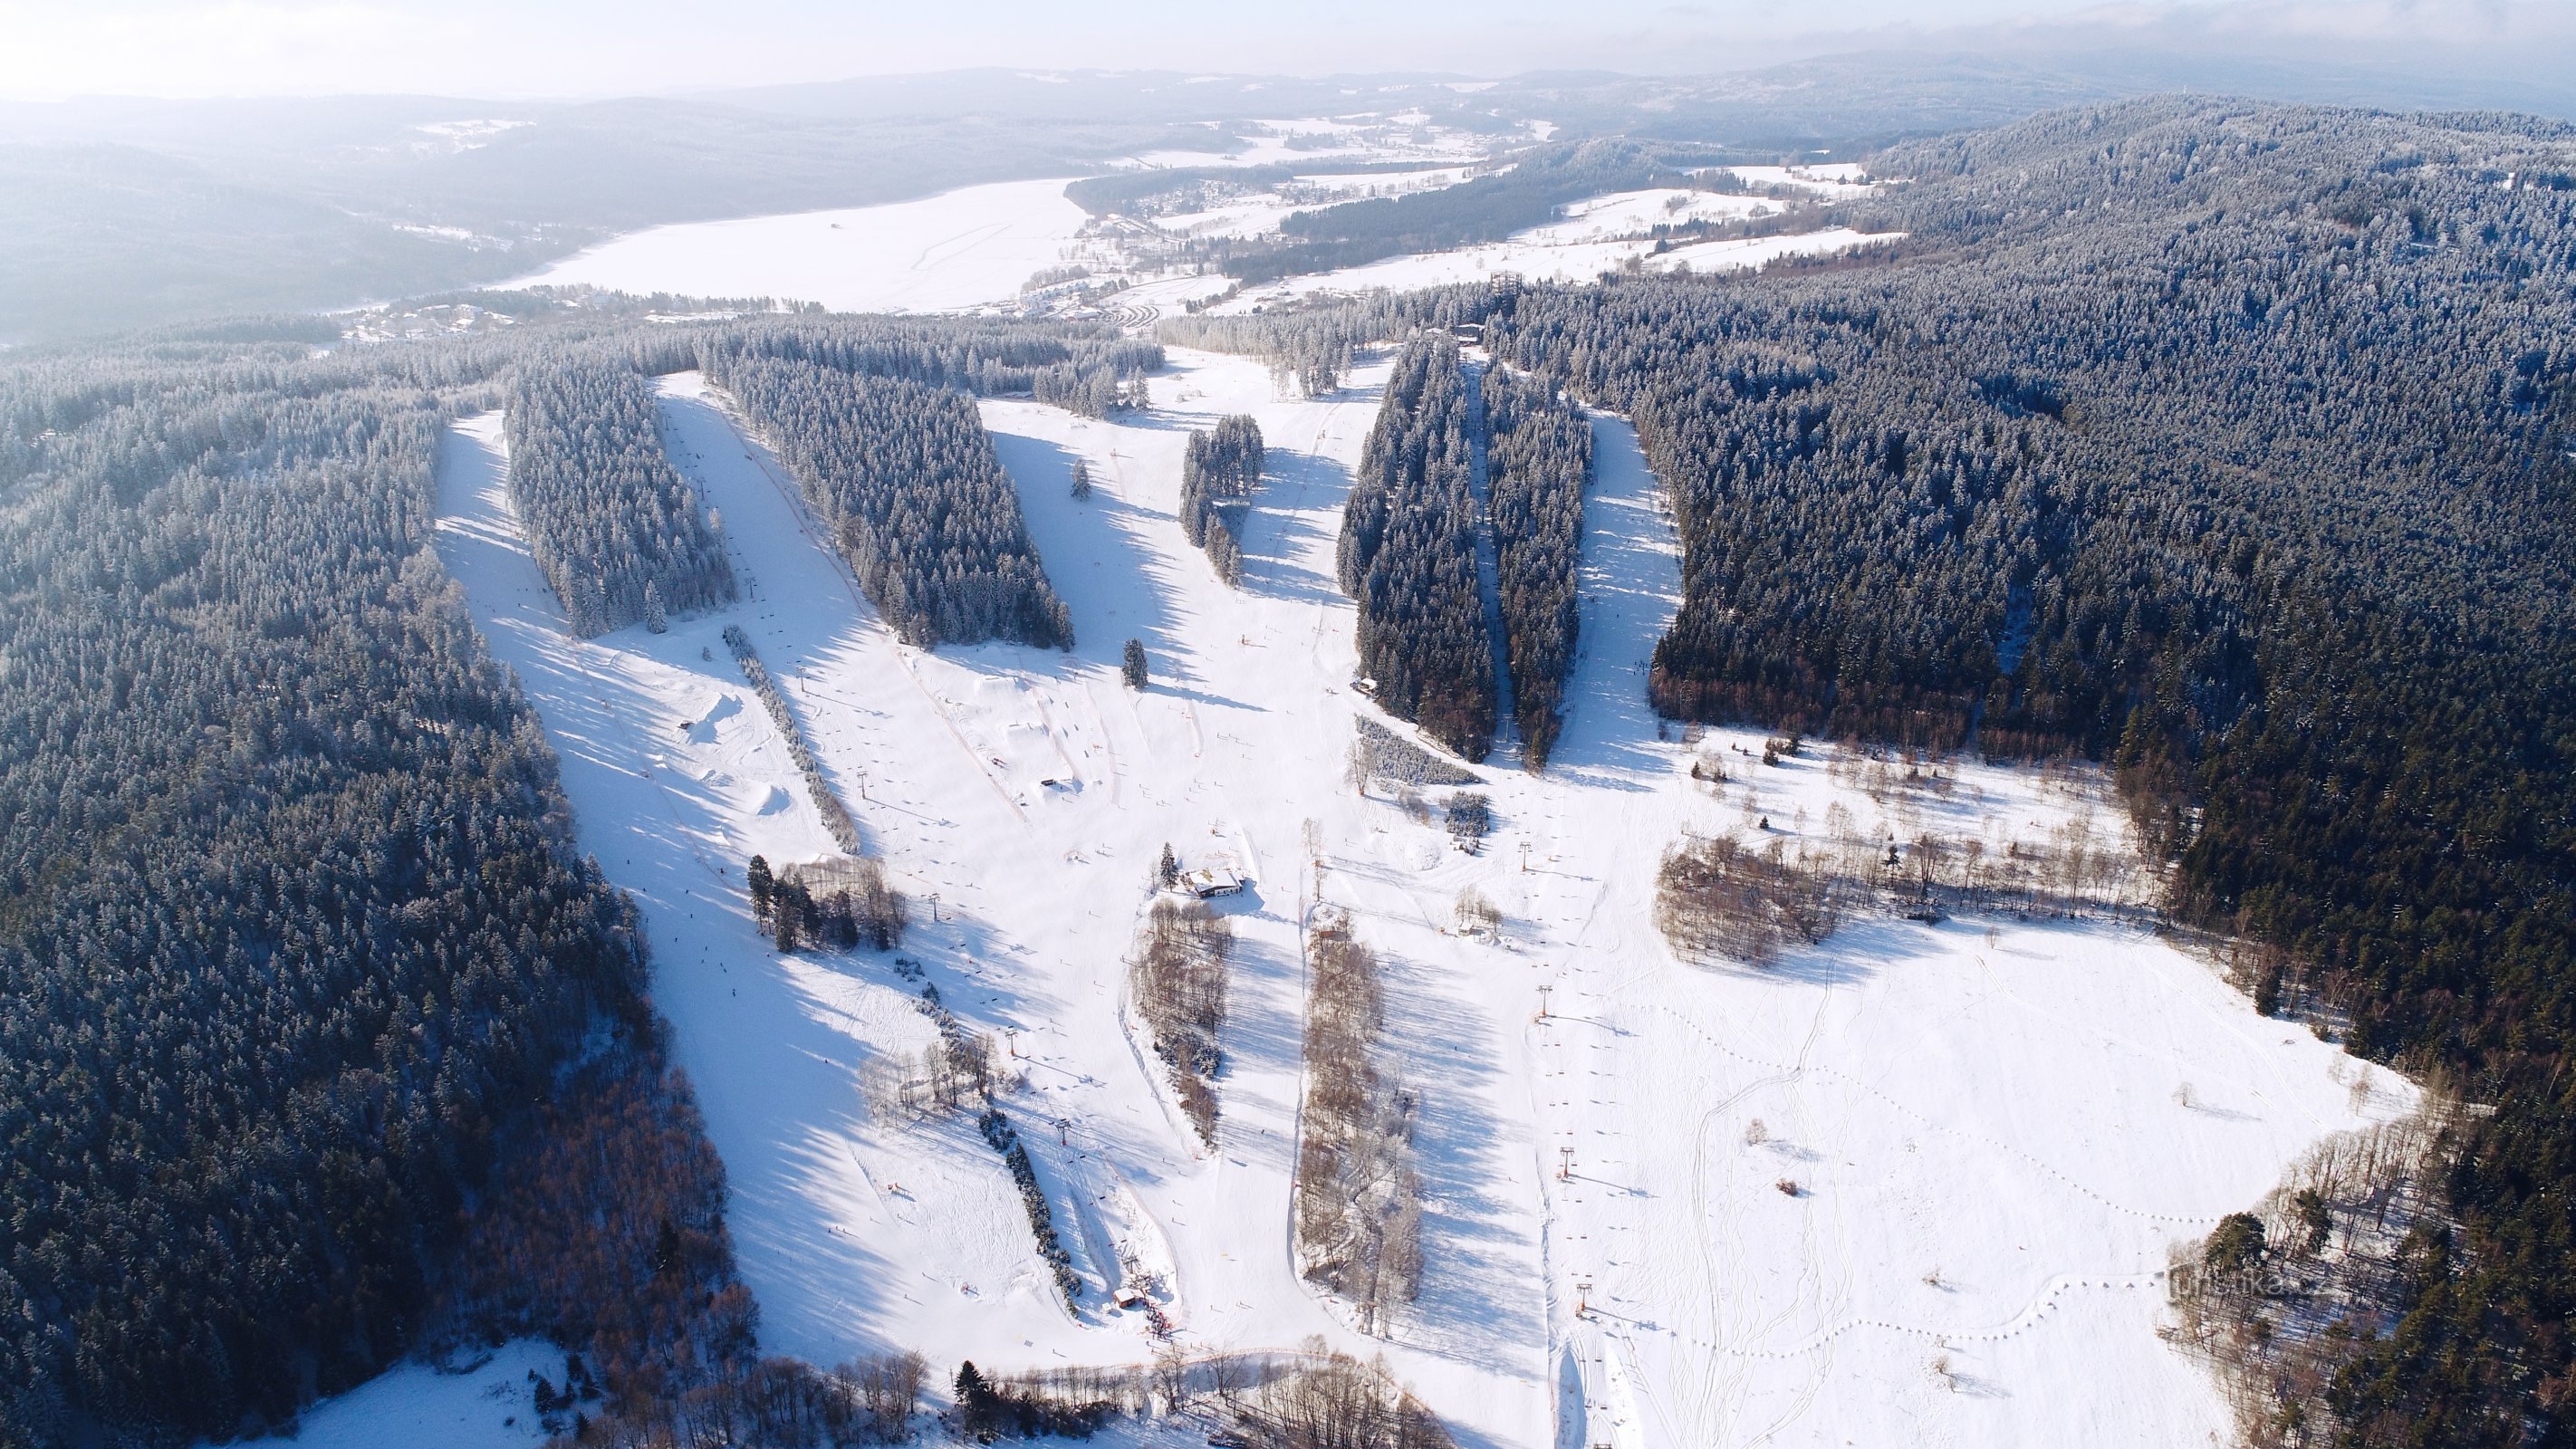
{"type": "Point", "coordinates": [619, 535]}
{"type": "Point", "coordinates": [1407, 553]}
{"type": "Point", "coordinates": [2229, 444]}
{"type": "Point", "coordinates": [1081, 366]}
{"type": "Point", "coordinates": [290, 920]}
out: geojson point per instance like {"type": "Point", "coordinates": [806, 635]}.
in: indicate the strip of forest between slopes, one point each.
{"type": "Point", "coordinates": [1219, 472]}
{"type": "Point", "coordinates": [1538, 463]}
{"type": "Point", "coordinates": [910, 492]}
{"type": "Point", "coordinates": [320, 1042]}
{"type": "Point", "coordinates": [619, 536]}
{"type": "Point", "coordinates": [1407, 554]}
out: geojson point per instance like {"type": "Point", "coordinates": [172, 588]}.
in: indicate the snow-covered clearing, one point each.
{"type": "Point", "coordinates": [1366, 137]}
{"type": "Point", "coordinates": [1839, 182]}
{"type": "Point", "coordinates": [1259, 213]}
{"type": "Point", "coordinates": [1635, 213]}
{"type": "Point", "coordinates": [1987, 1122]}
{"type": "Point", "coordinates": [490, 1404]}
{"type": "Point", "coordinates": [1545, 261]}
{"type": "Point", "coordinates": [961, 249]}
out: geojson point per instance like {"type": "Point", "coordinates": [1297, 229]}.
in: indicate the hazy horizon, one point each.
{"type": "Point", "coordinates": [589, 49]}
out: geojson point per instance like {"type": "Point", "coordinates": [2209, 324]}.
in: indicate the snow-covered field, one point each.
{"type": "Point", "coordinates": [952, 252]}
{"type": "Point", "coordinates": [1634, 213]}
{"type": "Point", "coordinates": [1545, 261]}
{"type": "Point", "coordinates": [1994, 1127]}
{"type": "Point", "coordinates": [1405, 136]}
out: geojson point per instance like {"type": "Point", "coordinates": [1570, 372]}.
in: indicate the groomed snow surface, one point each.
{"type": "Point", "coordinates": [1987, 1122]}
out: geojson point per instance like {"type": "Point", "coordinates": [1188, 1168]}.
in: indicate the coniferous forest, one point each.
{"type": "Point", "coordinates": [292, 928]}
{"type": "Point", "coordinates": [1408, 554]}
{"type": "Point", "coordinates": [904, 477]}
{"type": "Point", "coordinates": [1538, 460]}
{"type": "Point", "coordinates": [619, 535]}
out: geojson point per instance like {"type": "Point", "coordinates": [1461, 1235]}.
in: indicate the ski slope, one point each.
{"type": "Point", "coordinates": [1995, 1127]}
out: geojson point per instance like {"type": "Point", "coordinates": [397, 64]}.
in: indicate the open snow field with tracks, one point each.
{"type": "Point", "coordinates": [1994, 1127]}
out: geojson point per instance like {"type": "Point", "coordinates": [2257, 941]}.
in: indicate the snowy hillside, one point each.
{"type": "Point", "coordinates": [1913, 1186]}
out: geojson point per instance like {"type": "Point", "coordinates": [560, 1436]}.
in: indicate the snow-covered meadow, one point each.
{"type": "Point", "coordinates": [1990, 1129]}
{"type": "Point", "coordinates": [1547, 261]}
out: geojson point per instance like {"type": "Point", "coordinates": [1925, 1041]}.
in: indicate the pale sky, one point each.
{"type": "Point", "coordinates": [583, 48]}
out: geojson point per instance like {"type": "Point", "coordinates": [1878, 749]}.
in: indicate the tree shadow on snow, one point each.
{"type": "Point", "coordinates": [1114, 585]}
{"type": "Point", "coordinates": [1287, 554]}
{"type": "Point", "coordinates": [1477, 1297]}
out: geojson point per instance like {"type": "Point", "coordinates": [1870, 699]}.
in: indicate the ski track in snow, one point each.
{"type": "Point", "coordinates": [2000, 1109]}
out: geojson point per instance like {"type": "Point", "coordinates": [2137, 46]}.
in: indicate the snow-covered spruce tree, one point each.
{"type": "Point", "coordinates": [1407, 553]}
{"type": "Point", "coordinates": [618, 533]}
{"type": "Point", "coordinates": [757, 876]}
{"type": "Point", "coordinates": [1081, 481]}
{"type": "Point", "coordinates": [1131, 663]}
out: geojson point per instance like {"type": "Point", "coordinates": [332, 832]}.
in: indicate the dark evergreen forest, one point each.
{"type": "Point", "coordinates": [291, 923]}
{"type": "Point", "coordinates": [2231, 445]}
{"type": "Point", "coordinates": [1408, 554]}
{"type": "Point", "coordinates": [1080, 366]}
{"type": "Point", "coordinates": [904, 476]}
{"type": "Point", "coordinates": [619, 535]}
